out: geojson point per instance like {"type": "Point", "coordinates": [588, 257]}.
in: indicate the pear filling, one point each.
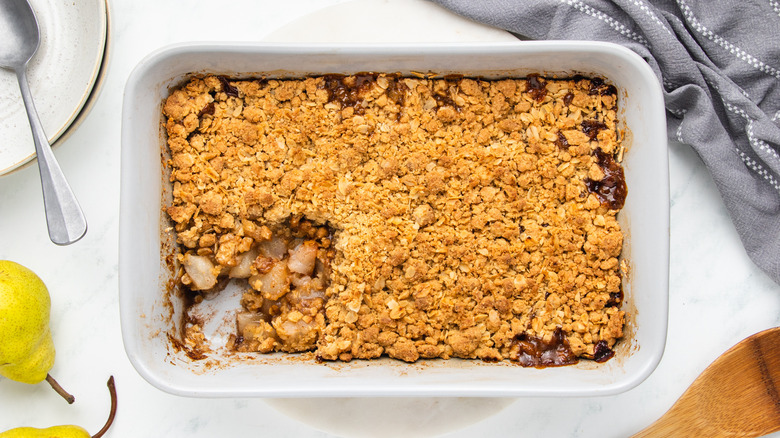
{"type": "Point", "coordinates": [287, 270]}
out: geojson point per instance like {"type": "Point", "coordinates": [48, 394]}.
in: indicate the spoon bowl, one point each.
{"type": "Point", "coordinates": [19, 40]}
{"type": "Point", "coordinates": [736, 396]}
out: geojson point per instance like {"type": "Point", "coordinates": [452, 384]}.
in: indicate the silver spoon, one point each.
{"type": "Point", "coordinates": [19, 40]}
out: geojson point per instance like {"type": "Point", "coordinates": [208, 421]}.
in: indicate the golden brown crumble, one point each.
{"type": "Point", "coordinates": [445, 217]}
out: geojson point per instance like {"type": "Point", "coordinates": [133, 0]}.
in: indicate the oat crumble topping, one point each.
{"type": "Point", "coordinates": [409, 217]}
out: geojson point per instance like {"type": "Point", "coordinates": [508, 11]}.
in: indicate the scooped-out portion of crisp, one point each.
{"type": "Point", "coordinates": [411, 217]}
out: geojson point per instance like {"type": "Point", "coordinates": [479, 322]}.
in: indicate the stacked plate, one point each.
{"type": "Point", "coordinates": [65, 76]}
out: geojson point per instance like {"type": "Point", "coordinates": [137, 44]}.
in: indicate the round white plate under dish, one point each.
{"type": "Point", "coordinates": [386, 21]}
{"type": "Point", "coordinates": [62, 75]}
{"type": "Point", "coordinates": [403, 21]}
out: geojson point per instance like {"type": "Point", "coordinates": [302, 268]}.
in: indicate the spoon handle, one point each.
{"type": "Point", "coordinates": [64, 218]}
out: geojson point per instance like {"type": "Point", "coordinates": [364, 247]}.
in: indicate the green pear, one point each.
{"type": "Point", "coordinates": [27, 350]}
{"type": "Point", "coordinates": [68, 431]}
{"type": "Point", "coordinates": [49, 432]}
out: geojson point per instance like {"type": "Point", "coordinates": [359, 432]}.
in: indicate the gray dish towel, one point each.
{"type": "Point", "coordinates": [719, 63]}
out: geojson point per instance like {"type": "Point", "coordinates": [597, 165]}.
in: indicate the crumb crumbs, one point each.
{"type": "Point", "coordinates": [410, 217]}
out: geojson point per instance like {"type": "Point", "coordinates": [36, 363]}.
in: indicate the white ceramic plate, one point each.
{"type": "Point", "coordinates": [386, 21]}
{"type": "Point", "coordinates": [148, 317]}
{"type": "Point", "coordinates": [410, 21]}
{"type": "Point", "coordinates": [407, 21]}
{"type": "Point", "coordinates": [62, 75]}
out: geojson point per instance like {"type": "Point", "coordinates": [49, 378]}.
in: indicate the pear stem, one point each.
{"type": "Point", "coordinates": [112, 413]}
{"type": "Point", "coordinates": [56, 386]}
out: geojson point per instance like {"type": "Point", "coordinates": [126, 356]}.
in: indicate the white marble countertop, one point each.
{"type": "Point", "coordinates": [717, 296]}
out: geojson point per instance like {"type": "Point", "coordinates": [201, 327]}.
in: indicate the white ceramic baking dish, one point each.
{"type": "Point", "coordinates": [149, 316]}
